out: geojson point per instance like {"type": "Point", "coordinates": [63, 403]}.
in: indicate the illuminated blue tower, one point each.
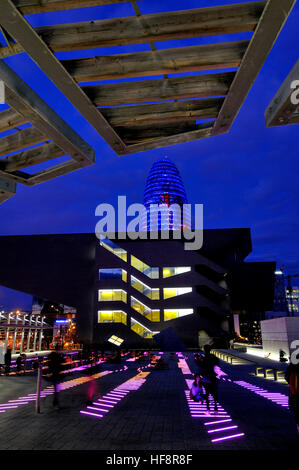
{"type": "Point", "coordinates": [164, 187]}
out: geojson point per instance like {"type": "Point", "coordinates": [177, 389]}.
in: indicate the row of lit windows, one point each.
{"type": "Point", "coordinates": [121, 295]}
{"type": "Point", "coordinates": [118, 316]}
{"type": "Point", "coordinates": [144, 268]}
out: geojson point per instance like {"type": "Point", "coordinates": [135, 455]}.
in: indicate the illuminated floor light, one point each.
{"type": "Point", "coordinates": [218, 422]}
{"type": "Point", "coordinates": [91, 414]}
{"type": "Point", "coordinates": [277, 398]}
{"type": "Point", "coordinates": [234, 436]}
{"type": "Point", "coordinates": [222, 429]}
{"type": "Point", "coordinates": [102, 404]}
{"type": "Point", "coordinates": [97, 409]}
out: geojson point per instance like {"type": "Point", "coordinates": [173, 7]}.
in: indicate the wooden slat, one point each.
{"type": "Point", "coordinates": [13, 49]}
{"type": "Point", "coordinates": [7, 189]}
{"type": "Point", "coordinates": [140, 64]}
{"type": "Point", "coordinates": [31, 157]}
{"type": "Point", "coordinates": [139, 134]}
{"type": "Point", "coordinates": [281, 111]}
{"type": "Point", "coordinates": [9, 119]}
{"type": "Point", "coordinates": [26, 102]}
{"type": "Point", "coordinates": [53, 172]}
{"type": "Point", "coordinates": [27, 7]}
{"type": "Point", "coordinates": [20, 140]}
{"type": "Point", "coordinates": [172, 140]}
{"type": "Point", "coordinates": [198, 86]}
{"type": "Point", "coordinates": [19, 29]}
{"type": "Point", "coordinates": [162, 112]}
{"type": "Point", "coordinates": [272, 20]}
{"type": "Point", "coordinates": [15, 177]}
{"type": "Point", "coordinates": [155, 27]}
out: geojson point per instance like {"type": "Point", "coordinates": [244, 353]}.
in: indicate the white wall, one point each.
{"type": "Point", "coordinates": [278, 334]}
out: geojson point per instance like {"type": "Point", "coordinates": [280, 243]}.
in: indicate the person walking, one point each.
{"type": "Point", "coordinates": [7, 361]}
{"type": "Point", "coordinates": [55, 367]}
{"type": "Point", "coordinates": [292, 377]}
{"type": "Point", "coordinates": [210, 381]}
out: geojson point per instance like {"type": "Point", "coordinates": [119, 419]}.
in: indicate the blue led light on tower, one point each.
{"type": "Point", "coordinates": [165, 187]}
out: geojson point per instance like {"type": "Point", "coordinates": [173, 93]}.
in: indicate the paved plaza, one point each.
{"type": "Point", "coordinates": [147, 409]}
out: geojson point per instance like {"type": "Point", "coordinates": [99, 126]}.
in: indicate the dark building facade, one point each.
{"type": "Point", "coordinates": [135, 292]}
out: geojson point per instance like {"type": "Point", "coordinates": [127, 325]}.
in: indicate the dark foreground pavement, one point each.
{"type": "Point", "coordinates": [156, 416]}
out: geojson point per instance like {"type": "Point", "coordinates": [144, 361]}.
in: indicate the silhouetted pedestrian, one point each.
{"type": "Point", "coordinates": [292, 377]}
{"type": "Point", "coordinates": [7, 361]}
{"type": "Point", "coordinates": [55, 360]}
{"type": "Point", "coordinates": [19, 362]}
{"type": "Point", "coordinates": [210, 381]}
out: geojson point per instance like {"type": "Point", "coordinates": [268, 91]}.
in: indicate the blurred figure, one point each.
{"type": "Point", "coordinates": [19, 362]}
{"type": "Point", "coordinates": [197, 392]}
{"type": "Point", "coordinates": [24, 362]}
{"type": "Point", "coordinates": [92, 386]}
{"type": "Point", "coordinates": [292, 377]}
{"type": "Point", "coordinates": [7, 361]}
{"type": "Point", "coordinates": [55, 360]}
{"type": "Point", "coordinates": [208, 364]}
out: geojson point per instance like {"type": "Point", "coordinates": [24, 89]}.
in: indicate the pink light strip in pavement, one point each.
{"type": "Point", "coordinates": [112, 398]}
{"type": "Point", "coordinates": [278, 398]}
{"type": "Point", "coordinates": [199, 410]}
{"type": "Point", "coordinates": [24, 400]}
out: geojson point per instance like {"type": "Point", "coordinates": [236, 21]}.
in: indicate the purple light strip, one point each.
{"type": "Point", "coordinates": [228, 437]}
{"type": "Point", "coordinates": [218, 422]}
{"type": "Point", "coordinates": [200, 411]}
{"type": "Point", "coordinates": [91, 414]}
{"type": "Point", "coordinates": [97, 409]}
{"type": "Point", "coordinates": [222, 429]}
{"type": "Point", "coordinates": [111, 399]}
{"type": "Point", "coordinates": [277, 398]}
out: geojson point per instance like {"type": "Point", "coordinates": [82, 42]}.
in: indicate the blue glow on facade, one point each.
{"type": "Point", "coordinates": [164, 187]}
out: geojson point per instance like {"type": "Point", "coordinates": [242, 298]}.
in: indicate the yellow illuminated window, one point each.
{"type": "Point", "coordinates": [152, 294]}
{"type": "Point", "coordinates": [112, 316]}
{"type": "Point", "coordinates": [167, 272]}
{"type": "Point", "coordinates": [144, 268]}
{"type": "Point", "coordinates": [112, 294]}
{"type": "Point", "coordinates": [115, 340]}
{"type": "Point", "coordinates": [141, 330]}
{"type": "Point", "coordinates": [171, 314]}
{"type": "Point", "coordinates": [174, 291]}
{"type": "Point", "coordinates": [114, 248]}
{"type": "Point", "coordinates": [153, 315]}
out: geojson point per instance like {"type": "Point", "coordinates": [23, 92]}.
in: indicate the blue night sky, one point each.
{"type": "Point", "coordinates": [247, 178]}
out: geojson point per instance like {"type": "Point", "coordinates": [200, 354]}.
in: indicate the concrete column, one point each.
{"type": "Point", "coordinates": [15, 336]}
{"type": "Point", "coordinates": [41, 335]}
{"type": "Point", "coordinates": [7, 334]}
{"type": "Point", "coordinates": [29, 334]}
{"type": "Point", "coordinates": [22, 334]}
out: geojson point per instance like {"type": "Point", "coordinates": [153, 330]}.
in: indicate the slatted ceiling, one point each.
{"type": "Point", "coordinates": [20, 140]}
{"type": "Point", "coordinates": [198, 86]}
{"type": "Point", "coordinates": [140, 64]}
{"type": "Point", "coordinates": [138, 134]}
{"type": "Point", "coordinates": [201, 133]}
{"type": "Point", "coordinates": [162, 112]}
{"type": "Point", "coordinates": [263, 18]}
{"type": "Point", "coordinates": [28, 7]}
{"type": "Point", "coordinates": [154, 27]}
{"type": "Point", "coordinates": [9, 119]}
{"type": "Point", "coordinates": [31, 157]}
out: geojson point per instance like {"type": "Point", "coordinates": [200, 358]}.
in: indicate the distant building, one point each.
{"type": "Point", "coordinates": [164, 188]}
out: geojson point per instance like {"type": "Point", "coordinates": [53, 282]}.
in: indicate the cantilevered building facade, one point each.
{"type": "Point", "coordinates": [139, 293]}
